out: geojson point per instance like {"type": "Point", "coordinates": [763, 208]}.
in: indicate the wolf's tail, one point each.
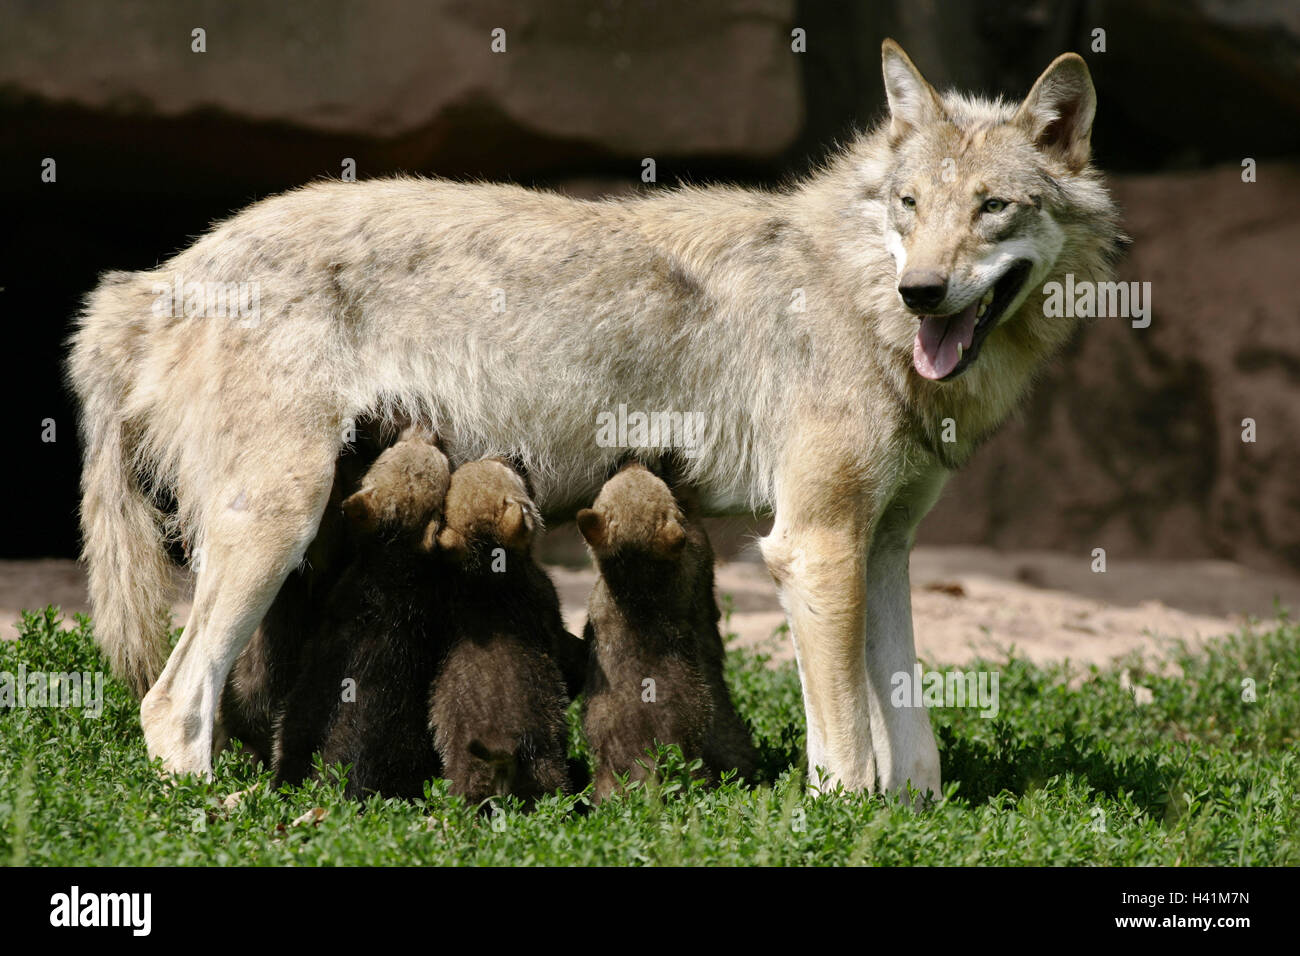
{"type": "Point", "coordinates": [123, 543]}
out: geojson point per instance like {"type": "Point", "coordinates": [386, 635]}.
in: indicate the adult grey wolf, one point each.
{"type": "Point", "coordinates": [832, 334]}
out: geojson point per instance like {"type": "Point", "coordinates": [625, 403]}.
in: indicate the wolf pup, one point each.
{"type": "Point", "coordinates": [656, 654]}
{"type": "Point", "coordinates": [498, 704]}
{"type": "Point", "coordinates": [361, 695]}
{"type": "Point", "coordinates": [919, 251]}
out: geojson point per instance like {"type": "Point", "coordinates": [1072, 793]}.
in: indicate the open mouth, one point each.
{"type": "Point", "coordinates": [946, 345]}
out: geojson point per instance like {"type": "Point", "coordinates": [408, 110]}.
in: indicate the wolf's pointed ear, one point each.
{"type": "Point", "coordinates": [429, 541]}
{"type": "Point", "coordinates": [453, 543]}
{"type": "Point", "coordinates": [516, 527]}
{"type": "Point", "coordinates": [592, 526]}
{"type": "Point", "coordinates": [1058, 111]}
{"type": "Point", "coordinates": [671, 538]}
{"type": "Point", "coordinates": [360, 511]}
{"type": "Point", "coordinates": [912, 101]}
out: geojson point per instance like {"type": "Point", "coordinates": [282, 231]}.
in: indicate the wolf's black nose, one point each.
{"type": "Point", "coordinates": [922, 289]}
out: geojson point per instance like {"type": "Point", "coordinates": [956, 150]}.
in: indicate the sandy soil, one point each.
{"type": "Point", "coordinates": [966, 600]}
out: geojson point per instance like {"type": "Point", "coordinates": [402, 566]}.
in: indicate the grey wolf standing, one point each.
{"type": "Point", "coordinates": [830, 333]}
{"type": "Point", "coordinates": [652, 617]}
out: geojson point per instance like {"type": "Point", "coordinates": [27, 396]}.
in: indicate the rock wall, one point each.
{"type": "Point", "coordinates": [1132, 442]}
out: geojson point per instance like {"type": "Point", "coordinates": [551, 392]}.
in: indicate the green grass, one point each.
{"type": "Point", "coordinates": [1071, 771]}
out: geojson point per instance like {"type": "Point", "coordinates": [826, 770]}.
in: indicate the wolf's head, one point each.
{"type": "Point", "coordinates": [402, 494]}
{"type": "Point", "coordinates": [488, 506]}
{"type": "Point", "coordinates": [647, 541]}
{"type": "Point", "coordinates": [635, 511]}
{"type": "Point", "coordinates": [981, 202]}
{"type": "Point", "coordinates": [651, 550]}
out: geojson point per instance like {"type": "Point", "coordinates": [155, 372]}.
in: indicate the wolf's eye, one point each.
{"type": "Point", "coordinates": [994, 205]}
{"type": "Point", "coordinates": [908, 202]}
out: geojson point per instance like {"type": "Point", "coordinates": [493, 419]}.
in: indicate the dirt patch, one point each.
{"type": "Point", "coordinates": [1049, 606]}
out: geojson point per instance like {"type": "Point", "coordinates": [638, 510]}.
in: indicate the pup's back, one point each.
{"type": "Point", "coordinates": [497, 714]}
{"type": "Point", "coordinates": [656, 671]}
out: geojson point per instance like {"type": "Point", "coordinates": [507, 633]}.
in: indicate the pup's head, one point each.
{"type": "Point", "coordinates": [487, 507]}
{"type": "Point", "coordinates": [635, 514]}
{"type": "Point", "coordinates": [982, 202]}
{"type": "Point", "coordinates": [402, 495]}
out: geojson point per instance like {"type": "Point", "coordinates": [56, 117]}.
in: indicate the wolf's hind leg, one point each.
{"type": "Point", "coordinates": [256, 532]}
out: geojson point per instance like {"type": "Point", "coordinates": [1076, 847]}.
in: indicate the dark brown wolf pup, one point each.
{"type": "Point", "coordinates": [656, 658]}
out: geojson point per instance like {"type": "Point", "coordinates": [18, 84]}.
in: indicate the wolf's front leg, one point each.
{"type": "Point", "coordinates": [820, 570]}
{"type": "Point", "coordinates": [901, 734]}
{"type": "Point", "coordinates": [902, 738]}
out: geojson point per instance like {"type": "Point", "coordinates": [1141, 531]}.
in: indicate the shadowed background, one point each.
{"type": "Point", "coordinates": [1133, 439]}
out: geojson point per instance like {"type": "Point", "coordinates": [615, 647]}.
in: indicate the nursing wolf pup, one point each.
{"type": "Point", "coordinates": [498, 704]}
{"type": "Point", "coordinates": [652, 626]}
{"type": "Point", "coordinates": [362, 690]}
{"type": "Point", "coordinates": [830, 336]}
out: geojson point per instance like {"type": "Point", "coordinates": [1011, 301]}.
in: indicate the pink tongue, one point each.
{"type": "Point", "coordinates": [934, 353]}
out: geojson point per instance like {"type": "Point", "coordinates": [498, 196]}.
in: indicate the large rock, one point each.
{"type": "Point", "coordinates": [630, 79]}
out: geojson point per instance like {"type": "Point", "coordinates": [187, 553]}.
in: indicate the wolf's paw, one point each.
{"type": "Point", "coordinates": [181, 741]}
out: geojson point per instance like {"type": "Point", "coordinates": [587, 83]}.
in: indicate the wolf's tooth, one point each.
{"type": "Point", "coordinates": [984, 307]}
{"type": "Point", "coordinates": [988, 297]}
{"type": "Point", "coordinates": [959, 351]}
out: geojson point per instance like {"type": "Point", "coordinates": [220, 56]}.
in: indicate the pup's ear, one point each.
{"type": "Point", "coordinates": [516, 525]}
{"type": "Point", "coordinates": [452, 543]}
{"type": "Point", "coordinates": [913, 102]}
{"type": "Point", "coordinates": [429, 540]}
{"type": "Point", "coordinates": [670, 538]}
{"type": "Point", "coordinates": [1058, 112]}
{"type": "Point", "coordinates": [592, 525]}
{"type": "Point", "coordinates": [360, 510]}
